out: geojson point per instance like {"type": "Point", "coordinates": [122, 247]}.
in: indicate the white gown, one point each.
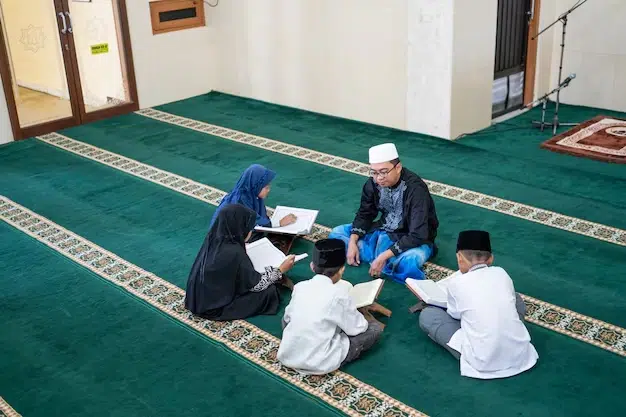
{"type": "Point", "coordinates": [493, 341]}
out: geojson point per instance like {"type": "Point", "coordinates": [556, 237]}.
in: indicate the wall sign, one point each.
{"type": "Point", "coordinates": [101, 48]}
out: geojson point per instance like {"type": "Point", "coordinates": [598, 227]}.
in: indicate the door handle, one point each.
{"type": "Point", "coordinates": [64, 30]}
{"type": "Point", "coordinates": [71, 28]}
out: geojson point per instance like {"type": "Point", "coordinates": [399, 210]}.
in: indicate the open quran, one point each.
{"type": "Point", "coordinates": [303, 225]}
{"type": "Point", "coordinates": [263, 253]}
{"type": "Point", "coordinates": [429, 291]}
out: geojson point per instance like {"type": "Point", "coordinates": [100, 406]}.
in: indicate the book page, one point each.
{"type": "Point", "coordinates": [303, 225]}
{"type": "Point", "coordinates": [263, 253]}
{"type": "Point", "coordinates": [429, 291]}
{"type": "Point", "coordinates": [365, 293]}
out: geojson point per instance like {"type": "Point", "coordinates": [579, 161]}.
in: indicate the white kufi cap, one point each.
{"type": "Point", "coordinates": [383, 153]}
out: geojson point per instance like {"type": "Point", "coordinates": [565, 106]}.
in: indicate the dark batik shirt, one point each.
{"type": "Point", "coordinates": [407, 212]}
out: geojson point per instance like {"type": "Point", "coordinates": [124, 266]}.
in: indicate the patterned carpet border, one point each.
{"type": "Point", "coordinates": [602, 138]}
{"type": "Point", "coordinates": [6, 410]}
{"type": "Point", "coordinates": [338, 389]}
{"type": "Point", "coordinates": [558, 319]}
{"type": "Point", "coordinates": [545, 217]}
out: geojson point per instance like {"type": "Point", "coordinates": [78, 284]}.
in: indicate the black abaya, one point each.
{"type": "Point", "coordinates": [222, 278]}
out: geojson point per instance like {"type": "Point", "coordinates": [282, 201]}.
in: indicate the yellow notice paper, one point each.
{"type": "Point", "coordinates": [102, 48]}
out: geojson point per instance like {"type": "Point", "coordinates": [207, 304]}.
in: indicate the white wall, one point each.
{"type": "Point", "coordinates": [595, 49]}
{"type": "Point", "coordinates": [429, 61]}
{"type": "Point", "coordinates": [391, 63]}
{"type": "Point", "coordinates": [170, 66]}
{"type": "Point", "coordinates": [346, 58]}
{"type": "Point", "coordinates": [473, 59]}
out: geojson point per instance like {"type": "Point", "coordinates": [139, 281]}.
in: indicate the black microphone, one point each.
{"type": "Point", "coordinates": [566, 81]}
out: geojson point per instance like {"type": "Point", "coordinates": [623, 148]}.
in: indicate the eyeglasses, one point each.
{"type": "Point", "coordinates": [382, 173]}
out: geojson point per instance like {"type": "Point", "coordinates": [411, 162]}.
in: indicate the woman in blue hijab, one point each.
{"type": "Point", "coordinates": [250, 191]}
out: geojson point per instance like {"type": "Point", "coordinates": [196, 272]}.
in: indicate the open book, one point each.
{"type": "Point", "coordinates": [363, 294]}
{"type": "Point", "coordinates": [429, 291]}
{"type": "Point", "coordinates": [263, 253]}
{"type": "Point", "coordinates": [302, 226]}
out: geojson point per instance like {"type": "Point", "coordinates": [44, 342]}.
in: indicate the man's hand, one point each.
{"type": "Point", "coordinates": [287, 264]}
{"type": "Point", "coordinates": [287, 220]}
{"type": "Point", "coordinates": [353, 256]}
{"type": "Point", "coordinates": [376, 268]}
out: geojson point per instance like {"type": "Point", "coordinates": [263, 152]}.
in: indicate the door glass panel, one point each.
{"type": "Point", "coordinates": [36, 62]}
{"type": "Point", "coordinates": [99, 50]}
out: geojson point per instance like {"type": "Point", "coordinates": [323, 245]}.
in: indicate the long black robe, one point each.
{"type": "Point", "coordinates": [222, 275]}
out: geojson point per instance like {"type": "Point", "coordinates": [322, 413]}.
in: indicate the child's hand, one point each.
{"type": "Point", "coordinates": [287, 220]}
{"type": "Point", "coordinates": [287, 264]}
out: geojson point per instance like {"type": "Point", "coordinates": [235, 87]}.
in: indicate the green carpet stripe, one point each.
{"type": "Point", "coordinates": [508, 162]}
{"type": "Point", "coordinates": [559, 267]}
{"type": "Point", "coordinates": [6, 410]}
{"type": "Point", "coordinates": [561, 320]}
{"type": "Point", "coordinates": [161, 230]}
{"type": "Point", "coordinates": [252, 343]}
{"type": "Point", "coordinates": [545, 217]}
{"type": "Point", "coordinates": [79, 345]}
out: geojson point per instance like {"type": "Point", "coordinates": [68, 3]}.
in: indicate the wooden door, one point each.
{"type": "Point", "coordinates": [66, 64]}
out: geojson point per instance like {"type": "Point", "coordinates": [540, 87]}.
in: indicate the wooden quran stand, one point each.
{"type": "Point", "coordinates": [375, 308]}
{"type": "Point", "coordinates": [284, 243]}
{"type": "Point", "coordinates": [281, 241]}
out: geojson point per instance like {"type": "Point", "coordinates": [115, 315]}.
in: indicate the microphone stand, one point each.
{"type": "Point", "coordinates": [555, 122]}
{"type": "Point", "coordinates": [544, 100]}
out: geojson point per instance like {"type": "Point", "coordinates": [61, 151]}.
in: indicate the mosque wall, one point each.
{"type": "Point", "coordinates": [170, 66]}
{"type": "Point", "coordinates": [595, 49]}
{"type": "Point", "coordinates": [421, 66]}
{"type": "Point", "coordinates": [345, 58]}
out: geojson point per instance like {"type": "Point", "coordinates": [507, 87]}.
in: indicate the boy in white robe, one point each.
{"type": "Point", "coordinates": [322, 328]}
{"type": "Point", "coordinates": [483, 323]}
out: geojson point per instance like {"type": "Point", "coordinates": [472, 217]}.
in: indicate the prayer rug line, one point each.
{"type": "Point", "coordinates": [6, 410]}
{"type": "Point", "coordinates": [523, 211]}
{"type": "Point", "coordinates": [549, 316]}
{"type": "Point", "coordinates": [338, 389]}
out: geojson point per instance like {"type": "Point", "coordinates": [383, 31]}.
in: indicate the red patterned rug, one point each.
{"type": "Point", "coordinates": [602, 138]}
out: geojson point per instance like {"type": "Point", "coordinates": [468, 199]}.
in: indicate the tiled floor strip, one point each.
{"type": "Point", "coordinates": [567, 322]}
{"type": "Point", "coordinates": [338, 389]}
{"type": "Point", "coordinates": [6, 410]}
{"type": "Point", "coordinates": [548, 218]}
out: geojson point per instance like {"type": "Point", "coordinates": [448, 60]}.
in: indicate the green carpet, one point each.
{"type": "Point", "coordinates": [160, 230]}
{"type": "Point", "coordinates": [73, 345]}
{"type": "Point", "coordinates": [522, 172]}
{"type": "Point", "coordinates": [563, 270]}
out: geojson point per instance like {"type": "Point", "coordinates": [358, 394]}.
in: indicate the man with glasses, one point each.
{"type": "Point", "coordinates": [399, 242]}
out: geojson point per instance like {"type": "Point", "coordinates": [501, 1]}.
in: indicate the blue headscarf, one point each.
{"type": "Point", "coordinates": [246, 192]}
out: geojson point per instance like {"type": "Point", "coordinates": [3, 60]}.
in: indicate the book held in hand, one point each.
{"type": "Point", "coordinates": [429, 291]}
{"type": "Point", "coordinates": [364, 294]}
{"type": "Point", "coordinates": [303, 225]}
{"type": "Point", "coordinates": [263, 253]}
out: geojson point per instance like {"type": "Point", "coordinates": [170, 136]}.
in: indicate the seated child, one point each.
{"type": "Point", "coordinates": [483, 323]}
{"type": "Point", "coordinates": [251, 190]}
{"type": "Point", "coordinates": [322, 328]}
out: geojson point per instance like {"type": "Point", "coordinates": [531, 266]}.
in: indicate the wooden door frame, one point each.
{"type": "Point", "coordinates": [127, 64]}
{"type": "Point", "coordinates": [80, 114]}
{"type": "Point", "coordinates": [530, 70]}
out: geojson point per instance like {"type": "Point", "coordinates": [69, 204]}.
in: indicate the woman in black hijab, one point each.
{"type": "Point", "coordinates": [223, 284]}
